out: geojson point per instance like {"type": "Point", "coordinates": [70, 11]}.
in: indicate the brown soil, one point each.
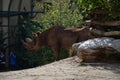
{"type": "Point", "coordinates": [66, 69]}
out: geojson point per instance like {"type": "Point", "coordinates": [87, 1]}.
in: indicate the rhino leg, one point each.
{"type": "Point", "coordinates": [56, 51]}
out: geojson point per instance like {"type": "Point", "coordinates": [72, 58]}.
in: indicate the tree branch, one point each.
{"type": "Point", "coordinates": [107, 23]}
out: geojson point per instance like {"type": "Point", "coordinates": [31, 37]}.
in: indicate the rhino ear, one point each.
{"type": "Point", "coordinates": [38, 34]}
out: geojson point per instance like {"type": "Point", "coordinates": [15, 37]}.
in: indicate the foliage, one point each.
{"type": "Point", "coordinates": [99, 4]}
{"type": "Point", "coordinates": [87, 5]}
{"type": "Point", "coordinates": [26, 59]}
{"type": "Point", "coordinates": [48, 55]}
{"type": "Point", "coordinates": [27, 27]}
{"type": "Point", "coordinates": [110, 7]}
{"type": "Point", "coordinates": [114, 5]}
{"type": "Point", "coordinates": [60, 13]}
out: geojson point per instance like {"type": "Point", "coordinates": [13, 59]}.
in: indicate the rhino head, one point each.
{"type": "Point", "coordinates": [32, 45]}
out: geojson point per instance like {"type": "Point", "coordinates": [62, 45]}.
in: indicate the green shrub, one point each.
{"type": "Point", "coordinates": [60, 13]}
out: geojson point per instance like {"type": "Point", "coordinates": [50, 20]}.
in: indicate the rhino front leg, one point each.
{"type": "Point", "coordinates": [56, 53]}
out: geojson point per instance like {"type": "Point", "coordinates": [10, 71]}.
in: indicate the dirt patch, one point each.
{"type": "Point", "coordinates": [66, 69]}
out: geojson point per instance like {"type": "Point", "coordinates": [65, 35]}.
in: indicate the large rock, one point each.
{"type": "Point", "coordinates": [96, 48]}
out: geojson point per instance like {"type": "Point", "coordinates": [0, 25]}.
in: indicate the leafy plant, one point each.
{"type": "Point", "coordinates": [61, 13]}
{"type": "Point", "coordinates": [109, 8]}
{"type": "Point", "coordinates": [26, 59]}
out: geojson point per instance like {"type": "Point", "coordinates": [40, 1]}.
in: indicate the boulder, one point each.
{"type": "Point", "coordinates": [96, 48]}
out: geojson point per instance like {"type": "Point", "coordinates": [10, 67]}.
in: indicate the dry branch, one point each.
{"type": "Point", "coordinates": [107, 23]}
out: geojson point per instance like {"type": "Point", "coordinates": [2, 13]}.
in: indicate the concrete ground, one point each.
{"type": "Point", "coordinates": [66, 69]}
